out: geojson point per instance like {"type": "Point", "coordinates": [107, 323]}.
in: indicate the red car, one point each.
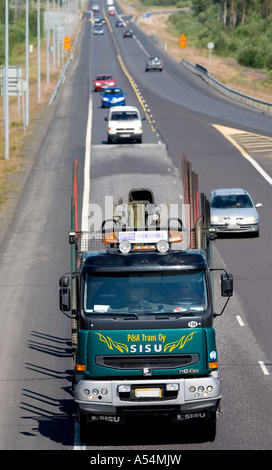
{"type": "Point", "coordinates": [104, 81]}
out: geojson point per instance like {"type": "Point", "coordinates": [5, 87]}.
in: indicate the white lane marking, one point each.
{"type": "Point", "coordinates": [84, 225]}
{"type": "Point", "coordinates": [240, 321]}
{"type": "Point", "coordinates": [87, 165]}
{"type": "Point", "coordinates": [263, 367]}
{"type": "Point", "coordinates": [228, 132]}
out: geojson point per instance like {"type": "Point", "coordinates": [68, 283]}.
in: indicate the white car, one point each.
{"type": "Point", "coordinates": [232, 210]}
{"type": "Point", "coordinates": [124, 124]}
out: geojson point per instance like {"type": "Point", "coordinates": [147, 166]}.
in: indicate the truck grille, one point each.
{"type": "Point", "coordinates": [153, 362]}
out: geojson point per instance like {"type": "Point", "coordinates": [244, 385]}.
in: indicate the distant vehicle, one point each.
{"type": "Point", "coordinates": [124, 124]}
{"type": "Point", "coordinates": [154, 63]}
{"type": "Point", "coordinates": [232, 210]}
{"type": "Point", "coordinates": [99, 21]}
{"type": "Point", "coordinates": [113, 97]}
{"type": "Point", "coordinates": [111, 10]}
{"type": "Point", "coordinates": [128, 33]}
{"type": "Point", "coordinates": [98, 29]}
{"type": "Point", "coordinates": [95, 9]}
{"type": "Point", "coordinates": [102, 81]}
{"type": "Point", "coordinates": [119, 23]}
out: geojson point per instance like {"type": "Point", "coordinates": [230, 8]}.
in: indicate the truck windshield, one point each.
{"type": "Point", "coordinates": [146, 292]}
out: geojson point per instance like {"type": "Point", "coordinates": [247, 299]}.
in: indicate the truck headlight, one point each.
{"type": "Point", "coordinates": [125, 246]}
{"type": "Point", "coordinates": [163, 246]}
{"type": "Point", "coordinates": [172, 387]}
{"type": "Point", "coordinates": [124, 388]}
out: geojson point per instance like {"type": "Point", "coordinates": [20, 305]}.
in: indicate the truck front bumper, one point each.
{"type": "Point", "coordinates": [118, 397]}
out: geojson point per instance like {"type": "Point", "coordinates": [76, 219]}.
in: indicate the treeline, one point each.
{"type": "Point", "coordinates": [241, 29]}
{"type": "Point", "coordinates": [17, 27]}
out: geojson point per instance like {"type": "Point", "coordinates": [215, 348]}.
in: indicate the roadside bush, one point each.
{"type": "Point", "coordinates": [251, 56]}
{"type": "Point", "coordinates": [268, 61]}
{"type": "Point", "coordinates": [2, 44]}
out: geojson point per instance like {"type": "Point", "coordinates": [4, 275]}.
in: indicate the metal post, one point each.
{"type": "Point", "coordinates": [54, 36]}
{"type": "Point", "coordinates": [47, 44]}
{"type": "Point", "coordinates": [27, 62]}
{"type": "Point", "coordinates": [5, 82]}
{"type": "Point", "coordinates": [38, 52]}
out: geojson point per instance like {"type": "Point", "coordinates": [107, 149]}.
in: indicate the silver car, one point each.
{"type": "Point", "coordinates": [232, 210]}
{"type": "Point", "coordinates": [154, 63]}
{"type": "Point", "coordinates": [98, 30]}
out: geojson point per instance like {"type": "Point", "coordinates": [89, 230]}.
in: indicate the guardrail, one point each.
{"type": "Point", "coordinates": [235, 95]}
{"type": "Point", "coordinates": [62, 73]}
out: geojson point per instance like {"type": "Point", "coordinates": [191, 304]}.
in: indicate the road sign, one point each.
{"type": "Point", "coordinates": [67, 43]}
{"type": "Point", "coordinates": [15, 85]}
{"type": "Point", "coordinates": [182, 41]}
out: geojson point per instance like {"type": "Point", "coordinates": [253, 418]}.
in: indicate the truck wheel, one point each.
{"type": "Point", "coordinates": [83, 427]}
{"type": "Point", "coordinates": [109, 140]}
{"type": "Point", "coordinates": [210, 427]}
{"type": "Point", "coordinates": [139, 140]}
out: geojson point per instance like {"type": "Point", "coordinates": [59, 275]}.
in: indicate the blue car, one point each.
{"type": "Point", "coordinates": [113, 97]}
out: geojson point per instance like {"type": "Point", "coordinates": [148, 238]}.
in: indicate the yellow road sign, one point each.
{"type": "Point", "coordinates": [182, 45]}
{"type": "Point", "coordinates": [67, 43]}
{"type": "Point", "coordinates": [182, 41]}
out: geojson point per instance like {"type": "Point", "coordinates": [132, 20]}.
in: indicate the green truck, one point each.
{"type": "Point", "coordinates": [142, 312]}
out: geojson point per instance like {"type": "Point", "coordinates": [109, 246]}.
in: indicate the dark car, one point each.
{"type": "Point", "coordinates": [154, 63]}
{"type": "Point", "coordinates": [119, 23]}
{"type": "Point", "coordinates": [128, 33]}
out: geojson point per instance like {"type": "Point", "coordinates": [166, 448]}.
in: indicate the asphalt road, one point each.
{"type": "Point", "coordinates": [36, 410]}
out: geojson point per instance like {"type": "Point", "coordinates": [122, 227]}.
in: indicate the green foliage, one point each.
{"type": "Point", "coordinates": [159, 2]}
{"type": "Point", "coordinates": [3, 13]}
{"type": "Point", "coordinates": [249, 43]}
{"type": "Point", "coordinates": [17, 29]}
{"type": "Point", "coordinates": [2, 43]}
{"type": "Point", "coordinates": [251, 56]}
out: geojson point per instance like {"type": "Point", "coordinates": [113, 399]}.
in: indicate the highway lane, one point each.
{"type": "Point", "coordinates": [191, 109]}
{"type": "Point", "coordinates": [36, 366]}
{"type": "Point", "coordinates": [179, 126]}
{"type": "Point", "coordinates": [240, 351]}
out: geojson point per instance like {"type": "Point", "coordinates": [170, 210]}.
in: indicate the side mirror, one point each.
{"type": "Point", "coordinates": [64, 299]}
{"type": "Point", "coordinates": [259, 204]}
{"type": "Point", "coordinates": [64, 294]}
{"type": "Point", "coordinates": [226, 284]}
{"type": "Point", "coordinates": [64, 281]}
{"type": "Point", "coordinates": [106, 118]}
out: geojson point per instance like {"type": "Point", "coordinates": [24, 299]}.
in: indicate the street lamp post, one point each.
{"type": "Point", "coordinates": [5, 80]}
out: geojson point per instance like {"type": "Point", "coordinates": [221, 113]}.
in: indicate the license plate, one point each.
{"type": "Point", "coordinates": [124, 135]}
{"type": "Point", "coordinates": [148, 393]}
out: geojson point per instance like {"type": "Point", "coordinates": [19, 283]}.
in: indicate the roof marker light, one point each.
{"type": "Point", "coordinates": [110, 238]}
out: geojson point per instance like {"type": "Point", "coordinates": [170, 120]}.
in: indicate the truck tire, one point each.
{"type": "Point", "coordinates": [209, 428]}
{"type": "Point", "coordinates": [83, 427]}
{"type": "Point", "coordinates": [109, 140]}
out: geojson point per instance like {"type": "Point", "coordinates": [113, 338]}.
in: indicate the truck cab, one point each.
{"type": "Point", "coordinates": [146, 342]}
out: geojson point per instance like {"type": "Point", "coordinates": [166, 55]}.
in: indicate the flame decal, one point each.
{"type": "Point", "coordinates": [180, 343]}
{"type": "Point", "coordinates": [112, 344]}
